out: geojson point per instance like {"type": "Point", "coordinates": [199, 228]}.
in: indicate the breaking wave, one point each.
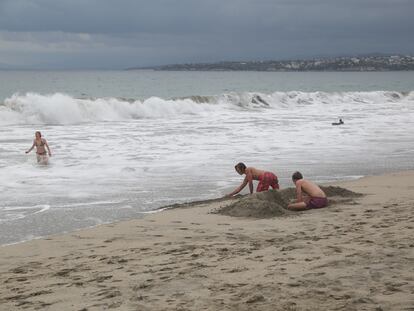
{"type": "Point", "coordinates": [58, 108]}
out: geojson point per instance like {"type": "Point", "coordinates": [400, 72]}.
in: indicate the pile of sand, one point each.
{"type": "Point", "coordinates": [332, 191]}
{"type": "Point", "coordinates": [258, 205]}
{"type": "Point", "coordinates": [274, 203]}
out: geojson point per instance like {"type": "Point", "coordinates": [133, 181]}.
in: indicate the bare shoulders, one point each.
{"type": "Point", "coordinates": [42, 141]}
{"type": "Point", "coordinates": [305, 183]}
{"type": "Point", "coordinates": [311, 188]}
{"type": "Point", "coordinates": [255, 173]}
{"type": "Point", "coordinates": [300, 182]}
{"type": "Point", "coordinates": [253, 170]}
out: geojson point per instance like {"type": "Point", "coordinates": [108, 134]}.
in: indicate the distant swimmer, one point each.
{"type": "Point", "coordinates": [266, 179]}
{"type": "Point", "coordinates": [314, 195]}
{"type": "Point", "coordinates": [40, 144]}
{"type": "Point", "coordinates": [340, 122]}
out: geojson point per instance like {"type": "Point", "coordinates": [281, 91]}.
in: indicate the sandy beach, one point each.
{"type": "Point", "coordinates": [357, 254]}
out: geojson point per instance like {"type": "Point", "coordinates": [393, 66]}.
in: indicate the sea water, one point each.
{"type": "Point", "coordinates": [125, 143]}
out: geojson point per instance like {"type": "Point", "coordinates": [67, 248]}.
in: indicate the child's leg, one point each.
{"type": "Point", "coordinates": [275, 185]}
{"type": "Point", "coordinates": [300, 206]}
{"type": "Point", "coordinates": [262, 186]}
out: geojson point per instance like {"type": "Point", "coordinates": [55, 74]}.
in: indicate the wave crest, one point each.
{"type": "Point", "coordinates": [58, 108]}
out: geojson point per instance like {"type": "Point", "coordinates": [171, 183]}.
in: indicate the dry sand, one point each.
{"type": "Point", "coordinates": [357, 254]}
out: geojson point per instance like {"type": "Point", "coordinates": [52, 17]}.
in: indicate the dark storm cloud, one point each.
{"type": "Point", "coordinates": [188, 16]}
{"type": "Point", "coordinates": [126, 32]}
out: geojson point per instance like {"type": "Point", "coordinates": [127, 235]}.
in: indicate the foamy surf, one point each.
{"type": "Point", "coordinates": [20, 212]}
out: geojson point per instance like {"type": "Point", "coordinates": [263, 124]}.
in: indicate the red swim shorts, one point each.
{"type": "Point", "coordinates": [267, 180]}
{"type": "Point", "coordinates": [315, 202]}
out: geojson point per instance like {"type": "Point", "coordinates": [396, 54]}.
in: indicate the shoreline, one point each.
{"type": "Point", "coordinates": [164, 208]}
{"type": "Point", "coordinates": [143, 214]}
{"type": "Point", "coordinates": [353, 255]}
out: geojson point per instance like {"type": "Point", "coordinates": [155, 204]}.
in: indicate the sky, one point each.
{"type": "Point", "coordinates": [118, 34]}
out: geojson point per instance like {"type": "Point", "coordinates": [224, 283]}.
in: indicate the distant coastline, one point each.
{"type": "Point", "coordinates": [342, 64]}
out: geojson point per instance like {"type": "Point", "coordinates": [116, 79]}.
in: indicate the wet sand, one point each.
{"type": "Point", "coordinates": [357, 254]}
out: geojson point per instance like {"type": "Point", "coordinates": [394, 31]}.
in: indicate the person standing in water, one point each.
{"type": "Point", "coordinates": [40, 144]}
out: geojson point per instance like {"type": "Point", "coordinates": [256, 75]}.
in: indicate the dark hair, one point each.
{"type": "Point", "coordinates": [241, 166]}
{"type": "Point", "coordinates": [297, 176]}
{"type": "Point", "coordinates": [38, 132]}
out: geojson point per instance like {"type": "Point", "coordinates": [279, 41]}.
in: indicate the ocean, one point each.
{"type": "Point", "coordinates": [126, 143]}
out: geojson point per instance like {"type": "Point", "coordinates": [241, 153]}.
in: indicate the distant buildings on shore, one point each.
{"type": "Point", "coordinates": [357, 63]}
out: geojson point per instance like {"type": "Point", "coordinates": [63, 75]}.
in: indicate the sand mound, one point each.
{"type": "Point", "coordinates": [259, 205]}
{"type": "Point", "coordinates": [332, 191]}
{"type": "Point", "coordinates": [274, 203]}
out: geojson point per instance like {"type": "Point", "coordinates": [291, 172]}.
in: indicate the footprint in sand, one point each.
{"type": "Point", "coordinates": [255, 299]}
{"type": "Point", "coordinates": [335, 249]}
{"type": "Point", "coordinates": [108, 293]}
{"type": "Point", "coordinates": [19, 270]}
{"type": "Point", "coordinates": [272, 230]}
{"type": "Point", "coordinates": [18, 279]}
{"type": "Point", "coordinates": [64, 272]}
{"type": "Point", "coordinates": [287, 248]}
{"type": "Point", "coordinates": [113, 239]}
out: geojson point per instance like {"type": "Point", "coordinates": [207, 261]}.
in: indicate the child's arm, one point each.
{"type": "Point", "coordinates": [47, 146]}
{"type": "Point", "coordinates": [31, 148]}
{"type": "Point", "coordinates": [239, 188]}
{"type": "Point", "coordinates": [300, 205]}
{"type": "Point", "coordinates": [249, 179]}
{"type": "Point", "coordinates": [299, 192]}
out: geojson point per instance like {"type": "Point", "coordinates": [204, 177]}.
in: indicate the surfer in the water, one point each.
{"type": "Point", "coordinates": [314, 195]}
{"type": "Point", "coordinates": [340, 122]}
{"type": "Point", "coordinates": [40, 144]}
{"type": "Point", "coordinates": [266, 179]}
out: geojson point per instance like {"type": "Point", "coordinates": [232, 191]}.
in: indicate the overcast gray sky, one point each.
{"type": "Point", "coordinates": [74, 34]}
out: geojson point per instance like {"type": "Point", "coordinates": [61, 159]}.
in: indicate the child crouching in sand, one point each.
{"type": "Point", "coordinates": [315, 198]}
{"type": "Point", "coordinates": [266, 179]}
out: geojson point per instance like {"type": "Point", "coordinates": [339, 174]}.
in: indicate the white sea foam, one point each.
{"type": "Point", "coordinates": [60, 108]}
{"type": "Point", "coordinates": [33, 108]}
{"type": "Point", "coordinates": [40, 208]}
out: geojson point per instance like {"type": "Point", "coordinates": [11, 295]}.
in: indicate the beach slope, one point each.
{"type": "Point", "coordinates": [357, 254]}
